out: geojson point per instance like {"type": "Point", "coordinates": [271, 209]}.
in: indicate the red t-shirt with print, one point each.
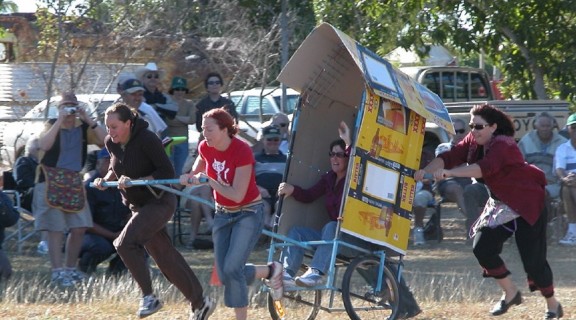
{"type": "Point", "coordinates": [223, 164]}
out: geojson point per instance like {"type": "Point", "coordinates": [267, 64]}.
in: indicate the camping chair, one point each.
{"type": "Point", "coordinates": [24, 228]}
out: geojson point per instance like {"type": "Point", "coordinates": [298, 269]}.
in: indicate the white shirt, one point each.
{"type": "Point", "coordinates": [155, 123]}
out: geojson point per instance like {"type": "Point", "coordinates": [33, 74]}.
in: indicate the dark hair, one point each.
{"type": "Point", "coordinates": [210, 75]}
{"type": "Point", "coordinates": [123, 111]}
{"type": "Point", "coordinates": [493, 115]}
{"type": "Point", "coordinates": [338, 142]}
{"type": "Point", "coordinates": [223, 119]}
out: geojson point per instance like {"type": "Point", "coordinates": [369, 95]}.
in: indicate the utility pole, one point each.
{"type": "Point", "coordinates": [284, 49]}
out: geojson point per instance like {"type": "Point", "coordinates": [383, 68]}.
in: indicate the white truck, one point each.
{"type": "Point", "coordinates": [463, 87]}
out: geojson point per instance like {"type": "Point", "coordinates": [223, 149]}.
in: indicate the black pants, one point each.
{"type": "Point", "coordinates": [531, 244]}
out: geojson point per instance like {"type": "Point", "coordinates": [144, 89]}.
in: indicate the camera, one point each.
{"type": "Point", "coordinates": [70, 110]}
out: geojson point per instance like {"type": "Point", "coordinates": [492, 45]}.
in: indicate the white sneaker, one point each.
{"type": "Point", "coordinates": [275, 282]}
{"type": "Point", "coordinates": [149, 305]}
{"type": "Point", "coordinates": [42, 247]}
{"type": "Point", "coordinates": [569, 239]}
{"type": "Point", "coordinates": [311, 278]}
{"type": "Point", "coordinates": [419, 237]}
{"type": "Point", "coordinates": [206, 310]}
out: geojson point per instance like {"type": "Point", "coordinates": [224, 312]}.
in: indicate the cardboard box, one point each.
{"type": "Point", "coordinates": [340, 80]}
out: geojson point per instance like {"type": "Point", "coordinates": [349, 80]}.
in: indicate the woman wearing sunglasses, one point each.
{"type": "Point", "coordinates": [330, 185]}
{"type": "Point", "coordinates": [213, 84]}
{"type": "Point", "coordinates": [493, 156]}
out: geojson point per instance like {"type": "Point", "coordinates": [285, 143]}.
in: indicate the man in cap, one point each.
{"type": "Point", "coordinates": [109, 216]}
{"type": "Point", "coordinates": [565, 165]}
{"type": "Point", "coordinates": [64, 143]}
{"type": "Point", "coordinates": [132, 93]}
{"type": "Point", "coordinates": [269, 169]}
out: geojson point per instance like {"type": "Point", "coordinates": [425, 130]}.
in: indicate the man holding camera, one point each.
{"type": "Point", "coordinates": [64, 142]}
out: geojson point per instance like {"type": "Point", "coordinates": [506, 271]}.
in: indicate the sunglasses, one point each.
{"type": "Point", "coordinates": [153, 75]}
{"type": "Point", "coordinates": [214, 82]}
{"type": "Point", "coordinates": [273, 139]}
{"type": "Point", "coordinates": [337, 154]}
{"type": "Point", "coordinates": [460, 131]}
{"type": "Point", "coordinates": [282, 124]}
{"type": "Point", "coordinates": [478, 127]}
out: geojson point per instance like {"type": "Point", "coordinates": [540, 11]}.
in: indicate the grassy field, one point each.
{"type": "Point", "coordinates": [444, 277]}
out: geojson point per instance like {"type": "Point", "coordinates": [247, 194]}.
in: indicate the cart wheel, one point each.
{"type": "Point", "coordinates": [359, 294]}
{"type": "Point", "coordinates": [301, 304]}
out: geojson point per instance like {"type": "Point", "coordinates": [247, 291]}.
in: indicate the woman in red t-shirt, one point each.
{"type": "Point", "coordinates": [228, 164]}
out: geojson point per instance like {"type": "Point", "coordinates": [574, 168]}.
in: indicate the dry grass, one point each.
{"type": "Point", "coordinates": [445, 279]}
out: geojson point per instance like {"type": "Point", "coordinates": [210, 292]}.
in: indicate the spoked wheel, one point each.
{"type": "Point", "coordinates": [302, 304]}
{"type": "Point", "coordinates": [359, 294]}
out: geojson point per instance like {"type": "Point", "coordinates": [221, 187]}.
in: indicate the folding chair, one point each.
{"type": "Point", "coordinates": [24, 228]}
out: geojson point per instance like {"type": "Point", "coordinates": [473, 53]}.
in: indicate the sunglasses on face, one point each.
{"type": "Point", "coordinates": [153, 75]}
{"type": "Point", "coordinates": [337, 154]}
{"type": "Point", "coordinates": [573, 126]}
{"type": "Point", "coordinates": [214, 82]}
{"type": "Point", "coordinates": [273, 139]}
{"type": "Point", "coordinates": [282, 125]}
{"type": "Point", "coordinates": [460, 131]}
{"type": "Point", "coordinates": [478, 127]}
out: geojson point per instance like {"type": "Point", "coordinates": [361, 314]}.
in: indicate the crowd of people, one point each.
{"type": "Point", "coordinates": [126, 226]}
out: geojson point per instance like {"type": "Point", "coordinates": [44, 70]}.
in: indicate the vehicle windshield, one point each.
{"type": "Point", "coordinates": [291, 101]}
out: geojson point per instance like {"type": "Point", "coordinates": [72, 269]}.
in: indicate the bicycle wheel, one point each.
{"type": "Point", "coordinates": [359, 294]}
{"type": "Point", "coordinates": [302, 304]}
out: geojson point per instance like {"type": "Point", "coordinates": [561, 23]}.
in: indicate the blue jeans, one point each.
{"type": "Point", "coordinates": [178, 157]}
{"type": "Point", "coordinates": [235, 235]}
{"type": "Point", "coordinates": [292, 256]}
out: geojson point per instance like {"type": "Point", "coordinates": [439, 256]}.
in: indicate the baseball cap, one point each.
{"type": "Point", "coordinates": [271, 131]}
{"type": "Point", "coordinates": [103, 154]}
{"type": "Point", "coordinates": [571, 119]}
{"type": "Point", "coordinates": [132, 85]}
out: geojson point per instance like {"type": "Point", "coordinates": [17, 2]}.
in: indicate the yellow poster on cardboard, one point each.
{"type": "Point", "coordinates": [381, 189]}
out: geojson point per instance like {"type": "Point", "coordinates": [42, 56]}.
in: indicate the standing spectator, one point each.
{"type": "Point", "coordinates": [178, 125]}
{"type": "Point", "coordinates": [109, 216]}
{"type": "Point", "coordinates": [470, 197]}
{"type": "Point", "coordinates": [539, 147]}
{"type": "Point", "coordinates": [282, 121]}
{"type": "Point", "coordinates": [213, 84]}
{"type": "Point", "coordinates": [150, 76]}
{"type": "Point", "coordinates": [566, 171]}
{"type": "Point", "coordinates": [269, 167]}
{"type": "Point", "coordinates": [64, 141]}
{"type": "Point", "coordinates": [136, 153]}
{"type": "Point", "coordinates": [8, 217]}
{"type": "Point", "coordinates": [132, 93]}
{"type": "Point", "coordinates": [492, 153]}
{"type": "Point", "coordinates": [228, 164]}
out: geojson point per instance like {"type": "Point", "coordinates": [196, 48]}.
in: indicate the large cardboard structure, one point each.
{"type": "Point", "coordinates": [340, 80]}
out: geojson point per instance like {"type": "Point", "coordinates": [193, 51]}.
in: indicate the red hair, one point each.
{"type": "Point", "coordinates": [223, 119]}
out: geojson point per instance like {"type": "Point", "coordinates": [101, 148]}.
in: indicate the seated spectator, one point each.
{"type": "Point", "coordinates": [330, 185]}
{"type": "Point", "coordinates": [269, 170]}
{"type": "Point", "coordinates": [197, 212]}
{"type": "Point", "coordinates": [282, 121]}
{"type": "Point", "coordinates": [8, 217]}
{"type": "Point", "coordinates": [565, 165]}
{"type": "Point", "coordinates": [25, 173]}
{"type": "Point", "coordinates": [109, 216]}
{"type": "Point", "coordinates": [539, 147]}
{"type": "Point", "coordinates": [422, 199]}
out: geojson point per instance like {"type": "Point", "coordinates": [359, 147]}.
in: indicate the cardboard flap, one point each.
{"type": "Point", "coordinates": [328, 56]}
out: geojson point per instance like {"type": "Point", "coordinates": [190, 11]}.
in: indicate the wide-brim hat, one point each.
{"type": "Point", "coordinates": [149, 67]}
{"type": "Point", "coordinates": [571, 119]}
{"type": "Point", "coordinates": [68, 98]}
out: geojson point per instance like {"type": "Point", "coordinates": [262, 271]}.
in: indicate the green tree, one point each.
{"type": "Point", "coordinates": [8, 6]}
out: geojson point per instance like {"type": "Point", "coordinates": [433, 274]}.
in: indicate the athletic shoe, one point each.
{"type": "Point", "coordinates": [206, 310]}
{"type": "Point", "coordinates": [311, 278]}
{"type": "Point", "coordinates": [76, 276]}
{"type": "Point", "coordinates": [42, 247]}
{"type": "Point", "coordinates": [419, 237]}
{"type": "Point", "coordinates": [275, 280]}
{"type": "Point", "coordinates": [288, 281]}
{"type": "Point", "coordinates": [569, 239]}
{"type": "Point", "coordinates": [149, 305]}
{"type": "Point", "coordinates": [61, 279]}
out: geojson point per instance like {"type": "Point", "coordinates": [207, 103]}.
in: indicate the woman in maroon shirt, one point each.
{"type": "Point", "coordinates": [493, 156]}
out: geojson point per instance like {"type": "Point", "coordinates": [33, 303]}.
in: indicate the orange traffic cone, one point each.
{"type": "Point", "coordinates": [214, 279]}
